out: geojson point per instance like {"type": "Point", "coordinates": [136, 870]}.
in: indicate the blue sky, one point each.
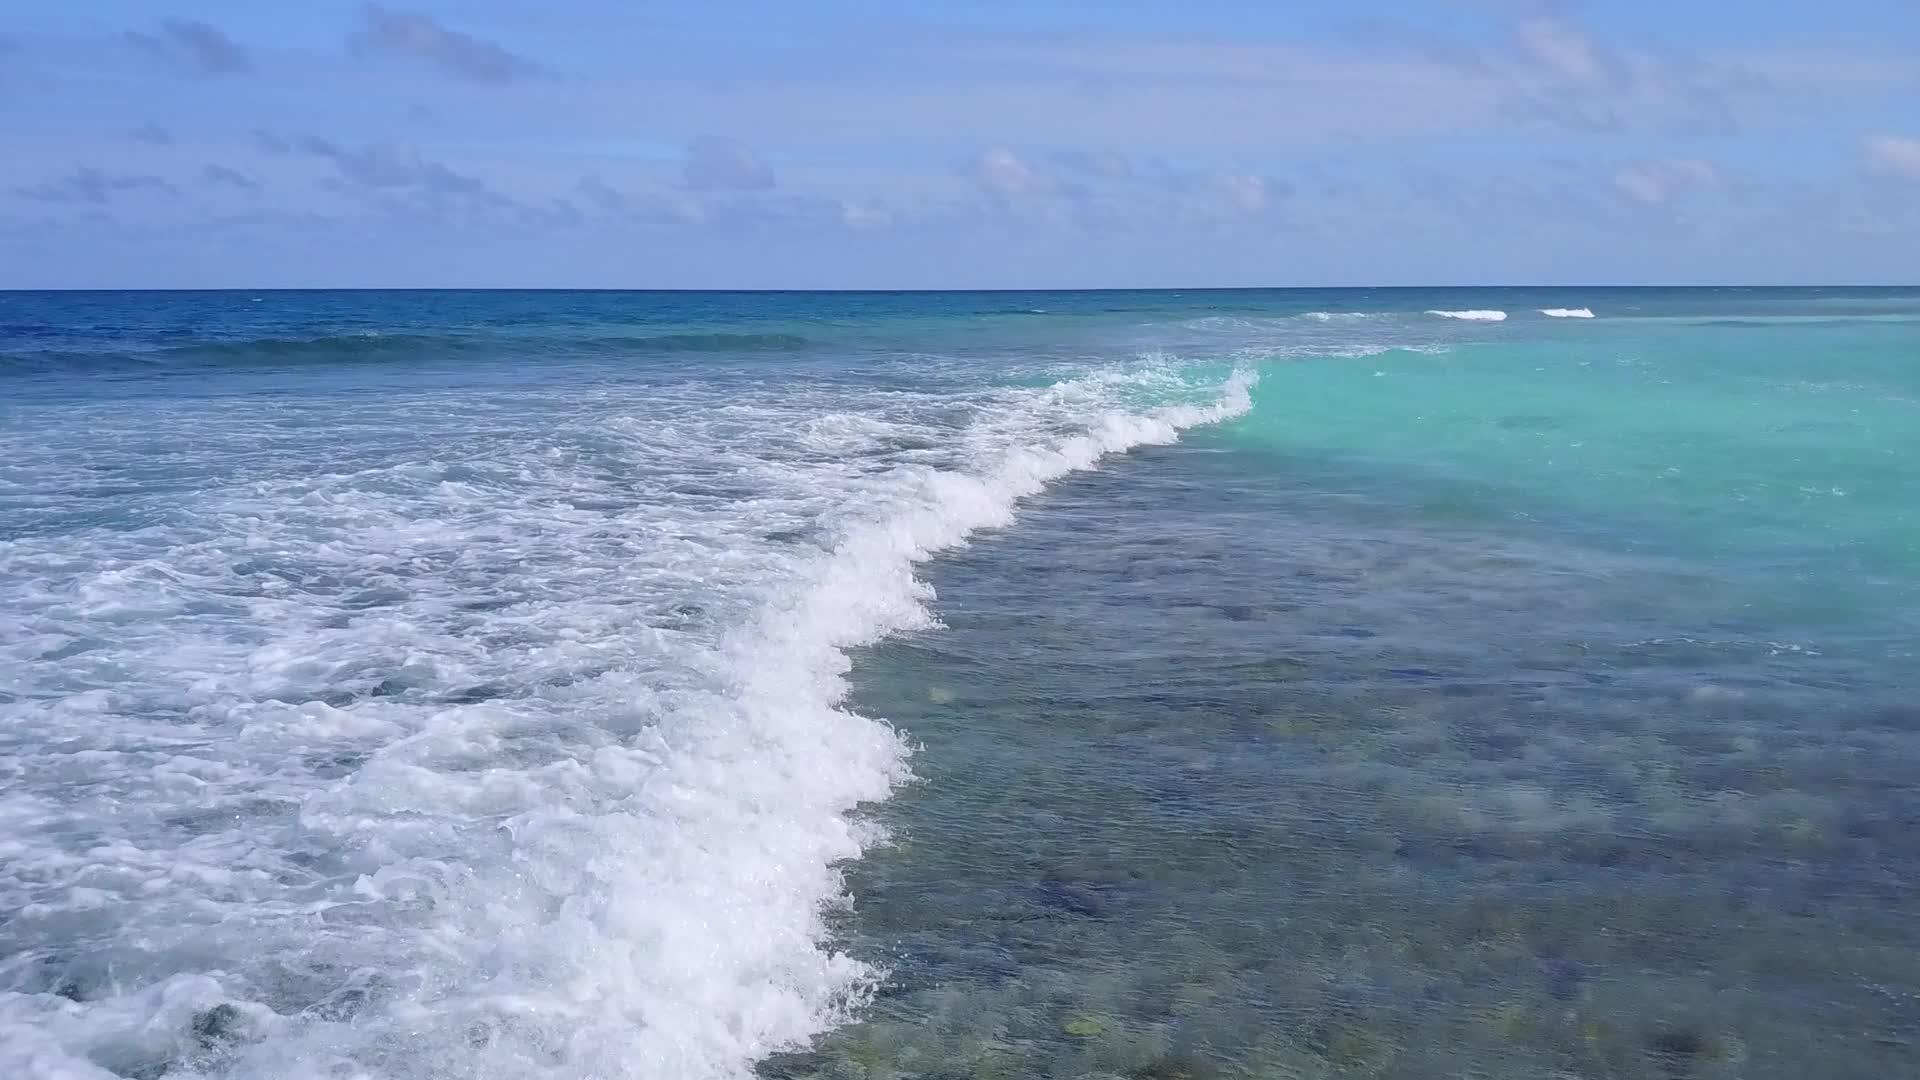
{"type": "Point", "coordinates": [957, 143]}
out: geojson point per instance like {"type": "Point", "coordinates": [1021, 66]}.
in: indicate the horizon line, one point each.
{"type": "Point", "coordinates": [913, 290]}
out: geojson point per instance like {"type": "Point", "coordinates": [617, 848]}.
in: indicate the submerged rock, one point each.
{"type": "Point", "coordinates": [1082, 1027]}
{"type": "Point", "coordinates": [1074, 898]}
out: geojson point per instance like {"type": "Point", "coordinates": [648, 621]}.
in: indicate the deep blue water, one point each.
{"type": "Point", "coordinates": [1284, 684]}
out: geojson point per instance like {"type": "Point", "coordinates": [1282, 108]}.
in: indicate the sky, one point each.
{"type": "Point", "coordinates": [957, 143]}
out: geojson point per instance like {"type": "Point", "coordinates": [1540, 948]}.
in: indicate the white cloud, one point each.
{"type": "Point", "coordinates": [1561, 48]}
{"type": "Point", "coordinates": [865, 214]}
{"type": "Point", "coordinates": [1003, 173]}
{"type": "Point", "coordinates": [1897, 154]}
{"type": "Point", "coordinates": [1641, 185]}
{"type": "Point", "coordinates": [1249, 194]}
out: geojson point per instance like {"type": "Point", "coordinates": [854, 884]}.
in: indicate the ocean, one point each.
{"type": "Point", "coordinates": [1302, 683]}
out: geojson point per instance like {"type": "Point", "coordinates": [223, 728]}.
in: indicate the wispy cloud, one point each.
{"type": "Point", "coordinates": [195, 45]}
{"type": "Point", "coordinates": [714, 163]}
{"type": "Point", "coordinates": [1895, 154]}
{"type": "Point", "coordinates": [601, 194]}
{"type": "Point", "coordinates": [1546, 69]}
{"type": "Point", "coordinates": [90, 186]}
{"type": "Point", "coordinates": [1105, 165]}
{"type": "Point", "coordinates": [422, 38]}
{"type": "Point", "coordinates": [653, 207]}
{"type": "Point", "coordinates": [1655, 182]}
{"type": "Point", "coordinates": [215, 175]}
{"type": "Point", "coordinates": [1231, 194]}
{"type": "Point", "coordinates": [1226, 96]}
{"type": "Point", "coordinates": [1560, 48]}
{"type": "Point", "coordinates": [1555, 73]}
{"type": "Point", "coordinates": [393, 166]}
{"type": "Point", "coordinates": [1107, 189]}
{"type": "Point", "coordinates": [151, 133]}
{"type": "Point", "coordinates": [399, 183]}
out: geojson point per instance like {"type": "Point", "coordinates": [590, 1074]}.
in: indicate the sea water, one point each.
{"type": "Point", "coordinates": [566, 685]}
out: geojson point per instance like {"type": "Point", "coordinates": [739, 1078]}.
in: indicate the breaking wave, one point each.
{"type": "Point", "coordinates": [519, 753]}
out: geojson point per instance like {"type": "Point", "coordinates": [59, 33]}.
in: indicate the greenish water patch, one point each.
{"type": "Point", "coordinates": [1786, 459]}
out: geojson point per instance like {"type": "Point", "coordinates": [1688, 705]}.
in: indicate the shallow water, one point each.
{"type": "Point", "coordinates": [1280, 684]}
{"type": "Point", "coordinates": [1282, 790]}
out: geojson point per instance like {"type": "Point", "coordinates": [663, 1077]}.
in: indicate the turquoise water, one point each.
{"type": "Point", "coordinates": [1286, 684]}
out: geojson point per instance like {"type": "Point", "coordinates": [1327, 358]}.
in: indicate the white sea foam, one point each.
{"type": "Point", "coordinates": [1472, 316]}
{"type": "Point", "coordinates": [1567, 313]}
{"type": "Point", "coordinates": [481, 748]}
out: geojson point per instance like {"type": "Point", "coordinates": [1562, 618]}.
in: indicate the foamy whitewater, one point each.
{"type": "Point", "coordinates": [481, 749]}
{"type": "Point", "coordinates": [1567, 313]}
{"type": "Point", "coordinates": [1476, 315]}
